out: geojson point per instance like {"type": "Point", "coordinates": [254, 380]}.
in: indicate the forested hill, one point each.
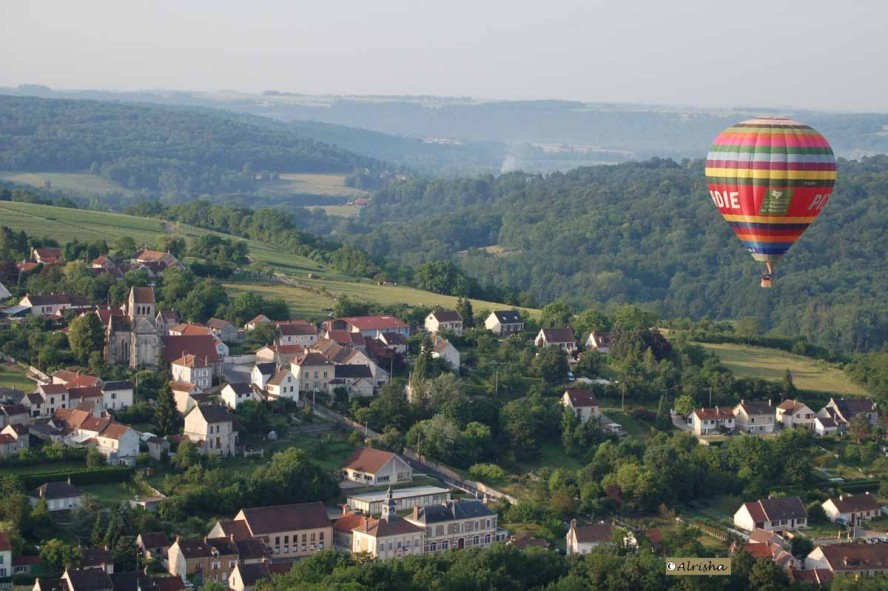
{"type": "Point", "coordinates": [648, 233]}
{"type": "Point", "coordinates": [167, 149]}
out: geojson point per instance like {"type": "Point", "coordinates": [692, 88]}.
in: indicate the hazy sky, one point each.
{"type": "Point", "coordinates": [815, 54]}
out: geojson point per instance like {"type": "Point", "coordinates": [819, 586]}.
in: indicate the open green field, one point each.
{"type": "Point", "coordinates": [331, 185]}
{"type": "Point", "coordinates": [771, 364]}
{"type": "Point", "coordinates": [110, 494]}
{"type": "Point", "coordinates": [13, 376]}
{"type": "Point", "coordinates": [79, 183]}
{"type": "Point", "coordinates": [308, 298]}
{"type": "Point", "coordinates": [343, 211]}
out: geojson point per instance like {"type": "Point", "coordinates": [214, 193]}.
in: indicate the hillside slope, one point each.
{"type": "Point", "coordinates": [170, 150]}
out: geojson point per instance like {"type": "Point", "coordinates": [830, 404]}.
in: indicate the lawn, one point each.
{"type": "Point", "coordinates": [78, 183]}
{"type": "Point", "coordinates": [109, 494]}
{"type": "Point", "coordinates": [332, 185]}
{"type": "Point", "coordinates": [13, 376]}
{"type": "Point", "coordinates": [343, 211]}
{"type": "Point", "coordinates": [635, 429]}
{"type": "Point", "coordinates": [771, 364]}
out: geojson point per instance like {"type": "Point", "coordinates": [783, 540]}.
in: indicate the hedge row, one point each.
{"type": "Point", "coordinates": [100, 475]}
{"type": "Point", "coordinates": [798, 345]}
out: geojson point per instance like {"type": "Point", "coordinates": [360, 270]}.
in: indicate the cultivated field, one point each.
{"type": "Point", "coordinates": [13, 376]}
{"type": "Point", "coordinates": [771, 364]}
{"type": "Point", "coordinates": [331, 185]}
{"type": "Point", "coordinates": [343, 211]}
{"type": "Point", "coordinates": [79, 183]}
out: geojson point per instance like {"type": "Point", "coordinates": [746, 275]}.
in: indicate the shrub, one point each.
{"type": "Point", "coordinates": [488, 472]}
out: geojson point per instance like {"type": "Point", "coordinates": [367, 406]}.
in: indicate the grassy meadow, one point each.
{"type": "Point", "coordinates": [771, 364]}
{"type": "Point", "coordinates": [78, 183]}
{"type": "Point", "coordinates": [330, 185]}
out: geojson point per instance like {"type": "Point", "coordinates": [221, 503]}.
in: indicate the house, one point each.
{"type": "Point", "coordinates": [5, 555]}
{"type": "Point", "coordinates": [769, 545]}
{"type": "Point", "coordinates": [261, 373]}
{"type": "Point", "coordinates": [852, 510]}
{"type": "Point", "coordinates": [119, 444]}
{"type": "Point", "coordinates": [443, 349]}
{"type": "Point", "coordinates": [342, 529]}
{"type": "Point", "coordinates": [59, 496]}
{"type": "Point", "coordinates": [14, 438]}
{"type": "Point", "coordinates": [185, 329]}
{"type": "Point", "coordinates": [46, 400]}
{"type": "Point", "coordinates": [523, 540]}
{"type": "Point", "coordinates": [850, 559]}
{"type": "Point", "coordinates": [582, 402]}
{"type": "Point", "coordinates": [842, 410]}
{"type": "Point", "coordinates": [283, 384]}
{"type": "Point", "coordinates": [187, 396]}
{"type": "Point", "coordinates": [504, 322]}
{"type": "Point", "coordinates": [297, 332]}
{"type": "Point", "coordinates": [778, 515]}
{"type": "Point", "coordinates": [599, 341]}
{"type": "Point", "coordinates": [74, 379]}
{"type": "Point", "coordinates": [260, 319]}
{"type": "Point", "coordinates": [192, 369]}
{"type": "Point", "coordinates": [393, 341]}
{"type": "Point", "coordinates": [279, 354]}
{"type": "Point", "coordinates": [157, 262]}
{"type": "Point", "coordinates": [389, 536]}
{"type": "Point", "coordinates": [368, 326]}
{"type": "Point", "coordinates": [223, 330]}
{"type": "Point", "coordinates": [289, 531]}
{"type": "Point", "coordinates": [202, 559]}
{"type": "Point", "coordinates": [754, 417]}
{"type": "Point", "coordinates": [455, 524]}
{"type": "Point", "coordinates": [371, 503]}
{"type": "Point", "coordinates": [345, 338]}
{"type": "Point", "coordinates": [375, 467]}
{"type": "Point", "coordinates": [712, 421]}
{"type": "Point", "coordinates": [14, 414]}
{"type": "Point", "coordinates": [792, 413]}
{"type": "Point", "coordinates": [824, 426]}
{"type": "Point", "coordinates": [97, 558]}
{"type": "Point", "coordinates": [47, 255]}
{"type": "Point", "coordinates": [581, 539]}
{"type": "Point", "coordinates": [245, 576]}
{"type": "Point", "coordinates": [54, 304]}
{"type": "Point", "coordinates": [118, 395]}
{"type": "Point", "coordinates": [233, 395]}
{"type": "Point", "coordinates": [313, 371]}
{"type": "Point", "coordinates": [356, 379]}
{"type": "Point", "coordinates": [158, 448]}
{"type": "Point", "coordinates": [202, 346]}
{"type": "Point", "coordinates": [444, 321]}
{"type": "Point", "coordinates": [556, 337]}
{"type": "Point", "coordinates": [213, 428]}
{"type": "Point", "coordinates": [87, 579]}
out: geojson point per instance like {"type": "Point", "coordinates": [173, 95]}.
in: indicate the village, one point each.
{"type": "Point", "coordinates": [230, 394]}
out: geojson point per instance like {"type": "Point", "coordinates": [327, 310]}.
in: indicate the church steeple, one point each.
{"type": "Point", "coordinates": [388, 508]}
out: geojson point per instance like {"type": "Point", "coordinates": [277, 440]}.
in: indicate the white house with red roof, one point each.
{"type": "Point", "coordinates": [212, 428]}
{"type": "Point", "coordinates": [558, 337]}
{"type": "Point", "coordinates": [313, 371]}
{"type": "Point", "coordinates": [297, 332]}
{"type": "Point", "coordinates": [712, 421]}
{"type": "Point", "coordinates": [193, 370]}
{"type": "Point", "coordinates": [374, 467]}
{"type": "Point", "coordinates": [792, 413]}
{"type": "Point", "coordinates": [754, 417]}
{"type": "Point", "coordinates": [852, 509]}
{"type": "Point", "coordinates": [369, 326]}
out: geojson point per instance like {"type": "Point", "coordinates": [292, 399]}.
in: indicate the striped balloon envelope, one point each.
{"type": "Point", "coordinates": [770, 178]}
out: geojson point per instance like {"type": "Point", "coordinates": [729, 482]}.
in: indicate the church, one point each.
{"type": "Point", "coordinates": [133, 335]}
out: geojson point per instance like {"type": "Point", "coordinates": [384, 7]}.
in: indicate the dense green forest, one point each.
{"type": "Point", "coordinates": [646, 233]}
{"type": "Point", "coordinates": [161, 150]}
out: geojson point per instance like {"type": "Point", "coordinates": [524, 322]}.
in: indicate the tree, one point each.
{"type": "Point", "coordinates": [767, 576]}
{"type": "Point", "coordinates": [85, 336]}
{"type": "Point", "coordinates": [14, 503]}
{"type": "Point", "coordinates": [58, 555]}
{"type": "Point", "coordinates": [464, 309]}
{"type": "Point", "coordinates": [556, 315]}
{"type": "Point", "coordinates": [173, 244]}
{"type": "Point", "coordinates": [186, 455]}
{"type": "Point", "coordinates": [685, 405]}
{"type": "Point", "coordinates": [94, 458]}
{"type": "Point", "coordinates": [551, 365]}
{"type": "Point", "coordinates": [664, 420]}
{"type": "Point", "coordinates": [590, 320]}
{"type": "Point", "coordinates": [859, 427]}
{"type": "Point", "coordinates": [262, 335]}
{"type": "Point", "coordinates": [166, 415]}
{"type": "Point", "coordinates": [125, 247]}
{"type": "Point", "coordinates": [632, 317]}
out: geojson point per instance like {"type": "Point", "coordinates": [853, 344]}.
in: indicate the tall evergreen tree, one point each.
{"type": "Point", "coordinates": [166, 416]}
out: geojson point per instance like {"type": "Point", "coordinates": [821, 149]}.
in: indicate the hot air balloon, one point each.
{"type": "Point", "coordinates": [770, 178]}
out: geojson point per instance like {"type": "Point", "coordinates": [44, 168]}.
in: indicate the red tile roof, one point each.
{"type": "Point", "coordinates": [582, 398]}
{"type": "Point", "coordinates": [375, 322]}
{"type": "Point", "coordinates": [853, 557]}
{"type": "Point", "coordinates": [558, 335]}
{"type": "Point", "coordinates": [856, 503]}
{"type": "Point", "coordinates": [367, 460]}
{"type": "Point", "coordinates": [175, 347]}
{"type": "Point", "coordinates": [267, 520]}
{"type": "Point", "coordinates": [718, 414]}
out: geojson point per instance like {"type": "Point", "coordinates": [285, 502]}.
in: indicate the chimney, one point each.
{"type": "Point", "coordinates": [573, 524]}
{"type": "Point", "coordinates": [770, 403]}
{"type": "Point", "coordinates": [231, 537]}
{"type": "Point", "coordinates": [415, 511]}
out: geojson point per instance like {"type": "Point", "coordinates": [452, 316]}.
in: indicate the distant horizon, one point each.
{"type": "Point", "coordinates": [775, 110]}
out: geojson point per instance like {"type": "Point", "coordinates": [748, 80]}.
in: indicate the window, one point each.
{"type": "Point", "coordinates": [215, 565]}
{"type": "Point", "coordinates": [287, 539]}
{"type": "Point", "coordinates": [476, 540]}
{"type": "Point", "coordinates": [277, 540]}
{"type": "Point", "coordinates": [433, 547]}
{"type": "Point", "coordinates": [231, 563]}
{"type": "Point", "coordinates": [487, 539]}
{"type": "Point", "coordinates": [416, 543]}
{"type": "Point", "coordinates": [445, 545]}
